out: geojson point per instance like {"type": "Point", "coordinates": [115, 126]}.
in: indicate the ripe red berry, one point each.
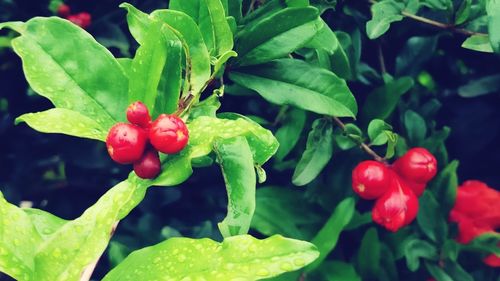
{"type": "Point", "coordinates": [417, 165]}
{"type": "Point", "coordinates": [63, 10]}
{"type": "Point", "coordinates": [168, 134]}
{"type": "Point", "coordinates": [149, 166]}
{"type": "Point", "coordinates": [398, 207]}
{"type": "Point", "coordinates": [126, 143]}
{"type": "Point", "coordinates": [370, 179]}
{"type": "Point", "coordinates": [138, 114]}
{"type": "Point", "coordinates": [82, 19]}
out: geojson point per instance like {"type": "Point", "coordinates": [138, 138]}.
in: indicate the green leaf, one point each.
{"type": "Point", "coordinates": [438, 4]}
{"type": "Point", "coordinates": [457, 272]}
{"type": "Point", "coordinates": [204, 130]}
{"type": "Point", "coordinates": [17, 240]}
{"type": "Point", "coordinates": [493, 12]}
{"type": "Point", "coordinates": [319, 150]}
{"type": "Point", "coordinates": [376, 131]}
{"type": "Point", "coordinates": [444, 187]}
{"type": "Point", "coordinates": [221, 34]}
{"type": "Point", "coordinates": [45, 223]}
{"type": "Point", "coordinates": [175, 169]}
{"type": "Point", "coordinates": [415, 127]}
{"type": "Point", "coordinates": [289, 133]}
{"type": "Point", "coordinates": [430, 219]}
{"type": "Point", "coordinates": [65, 64]}
{"type": "Point", "coordinates": [481, 86]}
{"type": "Point", "coordinates": [384, 13]}
{"type": "Point", "coordinates": [238, 257]}
{"type": "Point", "coordinates": [328, 236]}
{"type": "Point", "coordinates": [64, 121]}
{"type": "Point", "coordinates": [234, 9]}
{"type": "Point", "coordinates": [416, 249]}
{"type": "Point", "coordinates": [369, 254]}
{"type": "Point", "coordinates": [416, 52]}
{"type": "Point", "coordinates": [219, 63]}
{"type": "Point", "coordinates": [383, 100]}
{"type": "Point", "coordinates": [463, 12]}
{"type": "Point", "coordinates": [283, 211]}
{"type": "Point", "coordinates": [197, 56]}
{"type": "Point", "coordinates": [235, 159]}
{"type": "Point", "coordinates": [277, 35]}
{"type": "Point", "coordinates": [138, 22]}
{"type": "Point", "coordinates": [487, 242]}
{"type": "Point", "coordinates": [297, 83]}
{"type": "Point", "coordinates": [170, 85]}
{"type": "Point", "coordinates": [207, 107]}
{"type": "Point", "coordinates": [480, 43]}
{"type": "Point", "coordinates": [437, 272]}
{"type": "Point", "coordinates": [325, 39]}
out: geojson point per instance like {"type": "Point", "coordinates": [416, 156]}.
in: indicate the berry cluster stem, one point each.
{"type": "Point", "coordinates": [362, 145]}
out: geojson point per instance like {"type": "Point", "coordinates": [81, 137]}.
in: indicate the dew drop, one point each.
{"type": "Point", "coordinates": [263, 272]}
{"type": "Point", "coordinates": [299, 262]}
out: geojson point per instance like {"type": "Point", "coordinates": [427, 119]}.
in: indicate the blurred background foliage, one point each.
{"type": "Point", "coordinates": [454, 90]}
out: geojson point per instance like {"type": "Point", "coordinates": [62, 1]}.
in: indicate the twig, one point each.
{"type": "Point", "coordinates": [363, 145]}
{"type": "Point", "coordinates": [87, 273]}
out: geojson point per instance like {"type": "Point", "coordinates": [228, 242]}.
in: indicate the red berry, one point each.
{"type": "Point", "coordinates": [63, 10]}
{"type": "Point", "coordinates": [126, 143]}
{"type": "Point", "coordinates": [417, 165]}
{"type": "Point", "coordinates": [370, 179]}
{"type": "Point", "coordinates": [138, 114]}
{"type": "Point", "coordinates": [149, 166]}
{"type": "Point", "coordinates": [168, 134]}
{"type": "Point", "coordinates": [398, 207]}
{"type": "Point", "coordinates": [81, 19]}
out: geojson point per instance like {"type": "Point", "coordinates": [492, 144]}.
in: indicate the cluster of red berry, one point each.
{"type": "Point", "coordinates": [138, 143]}
{"type": "Point", "coordinates": [82, 19]}
{"type": "Point", "coordinates": [396, 187]}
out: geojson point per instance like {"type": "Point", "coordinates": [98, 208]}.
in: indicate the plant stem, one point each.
{"type": "Point", "coordinates": [362, 145]}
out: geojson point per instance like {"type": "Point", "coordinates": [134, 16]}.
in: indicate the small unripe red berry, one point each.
{"type": "Point", "coordinates": [417, 165]}
{"type": "Point", "coordinates": [370, 179]}
{"type": "Point", "coordinates": [138, 114]}
{"type": "Point", "coordinates": [168, 134]}
{"type": "Point", "coordinates": [149, 166]}
{"type": "Point", "coordinates": [398, 207]}
{"type": "Point", "coordinates": [63, 10]}
{"type": "Point", "coordinates": [126, 143]}
{"type": "Point", "coordinates": [82, 19]}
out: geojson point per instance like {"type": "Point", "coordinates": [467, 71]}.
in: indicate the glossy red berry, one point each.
{"type": "Point", "coordinates": [126, 143]}
{"type": "Point", "coordinates": [370, 179]}
{"type": "Point", "coordinates": [82, 19]}
{"type": "Point", "coordinates": [168, 134]}
{"type": "Point", "coordinates": [149, 166]}
{"type": "Point", "coordinates": [417, 165]}
{"type": "Point", "coordinates": [63, 10]}
{"type": "Point", "coordinates": [138, 114]}
{"type": "Point", "coordinates": [398, 207]}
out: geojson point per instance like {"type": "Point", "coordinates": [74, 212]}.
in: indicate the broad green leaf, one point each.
{"type": "Point", "coordinates": [480, 43]}
{"type": "Point", "coordinates": [338, 271]}
{"type": "Point", "coordinates": [416, 52]}
{"type": "Point", "coordinates": [45, 223]}
{"type": "Point", "coordinates": [64, 121]}
{"type": "Point", "coordinates": [463, 12]}
{"type": "Point", "coordinates": [175, 169]}
{"type": "Point", "coordinates": [189, 7]}
{"type": "Point", "coordinates": [493, 12]}
{"type": "Point", "coordinates": [328, 236]}
{"type": "Point", "coordinates": [220, 33]}
{"type": "Point", "coordinates": [416, 249]}
{"type": "Point", "coordinates": [236, 162]}
{"type": "Point", "coordinates": [350, 137]}
{"type": "Point", "coordinates": [18, 238]}
{"type": "Point", "coordinates": [126, 65]}
{"type": "Point", "coordinates": [198, 59]}
{"type": "Point", "coordinates": [295, 82]}
{"type": "Point", "coordinates": [283, 211]}
{"type": "Point", "coordinates": [236, 258]}
{"type": "Point", "coordinates": [481, 86]}
{"type": "Point", "coordinates": [376, 131]}
{"type": "Point", "coordinates": [369, 254]}
{"type": "Point", "coordinates": [325, 39]}
{"type": "Point", "coordinates": [277, 35]}
{"type": "Point", "coordinates": [444, 186]}
{"type": "Point", "coordinates": [384, 13]}
{"type": "Point", "coordinates": [289, 133]}
{"type": "Point", "coordinates": [485, 243]}
{"type": "Point", "coordinates": [457, 272]}
{"type": "Point", "coordinates": [430, 219]}
{"type": "Point", "coordinates": [170, 85]}
{"type": "Point", "coordinates": [219, 63]}
{"type": "Point", "coordinates": [65, 64]}
{"type": "Point", "coordinates": [204, 130]}
{"type": "Point", "coordinates": [437, 4]}
{"type": "Point", "coordinates": [138, 22]}
{"type": "Point", "coordinates": [416, 128]}
{"type": "Point", "coordinates": [319, 150]}
{"type": "Point", "coordinates": [207, 107]}
{"type": "Point", "coordinates": [383, 100]}
{"type": "Point", "coordinates": [234, 9]}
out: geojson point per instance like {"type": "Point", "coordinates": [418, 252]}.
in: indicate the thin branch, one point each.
{"type": "Point", "coordinates": [87, 273]}
{"type": "Point", "coordinates": [363, 145]}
